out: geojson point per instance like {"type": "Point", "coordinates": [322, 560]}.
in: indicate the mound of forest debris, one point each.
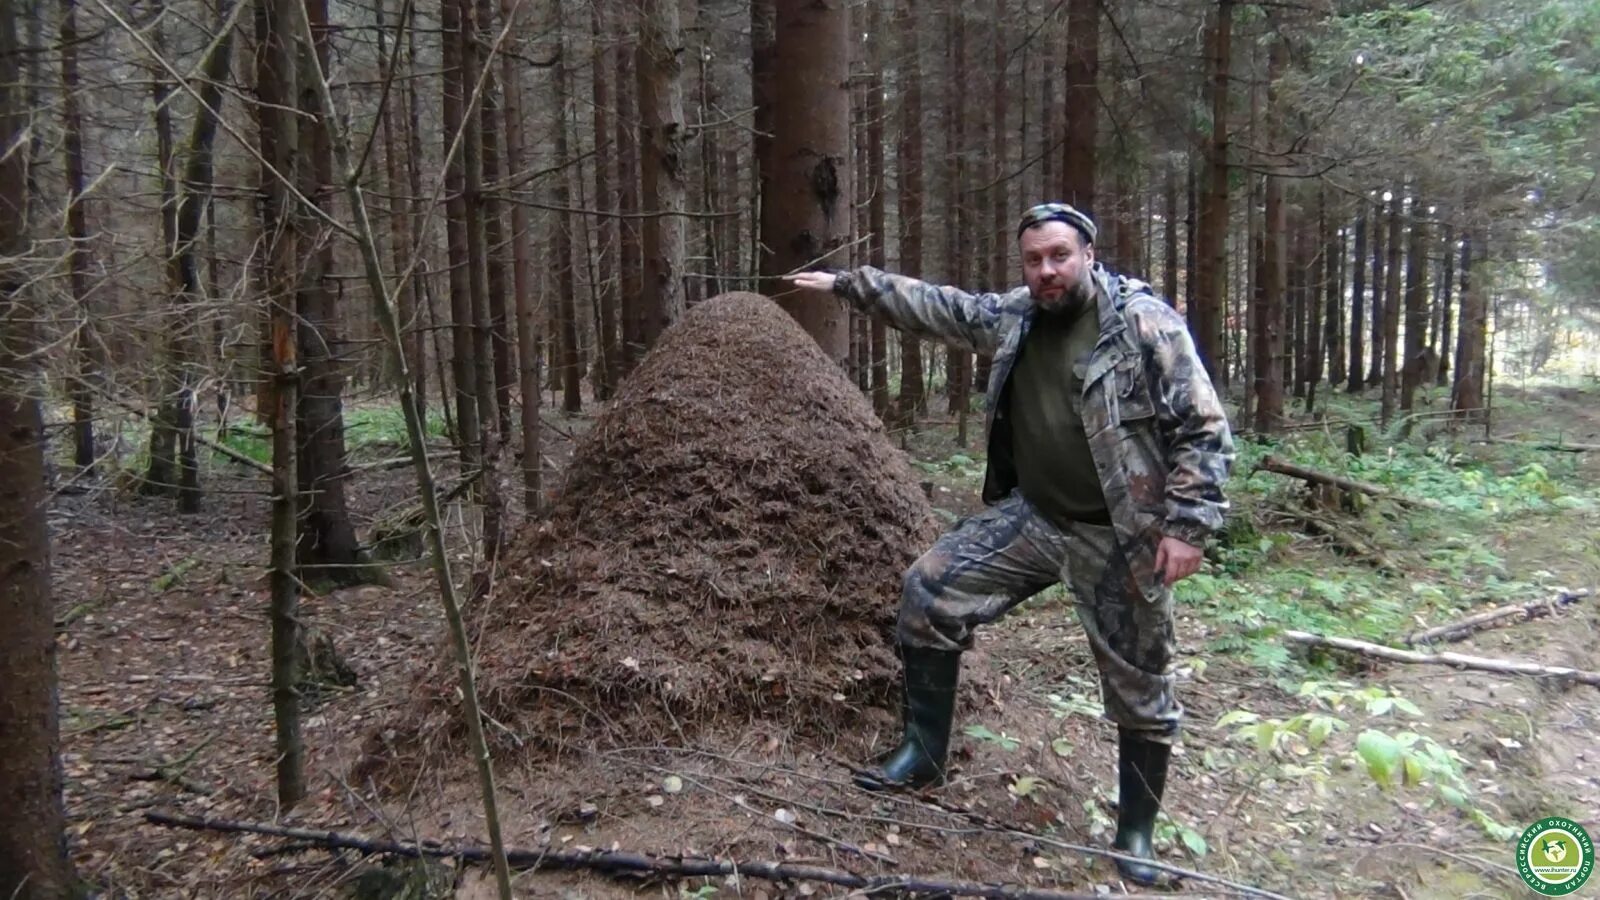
{"type": "Point", "coordinates": [726, 548]}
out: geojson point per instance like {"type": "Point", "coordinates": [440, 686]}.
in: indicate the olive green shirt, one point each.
{"type": "Point", "coordinates": [1055, 469]}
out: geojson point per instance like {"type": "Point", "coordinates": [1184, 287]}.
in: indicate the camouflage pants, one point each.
{"type": "Point", "coordinates": [1002, 556]}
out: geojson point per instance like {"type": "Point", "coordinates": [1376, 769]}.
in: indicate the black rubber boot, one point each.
{"type": "Point", "coordinates": [927, 706]}
{"type": "Point", "coordinates": [1142, 771]}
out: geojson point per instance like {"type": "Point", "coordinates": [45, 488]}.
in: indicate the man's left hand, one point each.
{"type": "Point", "coordinates": [1177, 560]}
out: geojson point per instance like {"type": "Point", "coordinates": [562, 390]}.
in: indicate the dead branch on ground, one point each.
{"type": "Point", "coordinates": [1479, 663]}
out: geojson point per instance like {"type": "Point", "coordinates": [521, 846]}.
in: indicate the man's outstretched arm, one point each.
{"type": "Point", "coordinates": [935, 311]}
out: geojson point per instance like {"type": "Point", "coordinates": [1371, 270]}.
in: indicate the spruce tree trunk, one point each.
{"type": "Point", "coordinates": [86, 343]}
{"type": "Point", "coordinates": [1083, 104]}
{"type": "Point", "coordinates": [329, 551]}
{"type": "Point", "coordinates": [1358, 290]}
{"type": "Point", "coordinates": [910, 201]}
{"type": "Point", "coordinates": [1391, 315]}
{"type": "Point", "coordinates": [33, 849]}
{"type": "Point", "coordinates": [1211, 256]}
{"type": "Point", "coordinates": [805, 207]}
{"type": "Point", "coordinates": [1414, 367]}
{"type": "Point", "coordinates": [663, 159]}
{"type": "Point", "coordinates": [1467, 397]}
{"type": "Point", "coordinates": [1446, 279]}
{"type": "Point", "coordinates": [877, 185]}
{"type": "Point", "coordinates": [1379, 301]}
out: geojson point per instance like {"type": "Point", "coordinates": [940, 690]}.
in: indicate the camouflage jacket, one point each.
{"type": "Point", "coordinates": [1158, 433]}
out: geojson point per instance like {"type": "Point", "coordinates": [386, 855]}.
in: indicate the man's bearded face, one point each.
{"type": "Point", "coordinates": [1056, 262]}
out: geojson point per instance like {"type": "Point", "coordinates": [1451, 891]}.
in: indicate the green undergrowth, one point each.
{"type": "Point", "coordinates": [1429, 560]}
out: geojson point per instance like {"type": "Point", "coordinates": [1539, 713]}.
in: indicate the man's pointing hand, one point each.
{"type": "Point", "coordinates": [814, 281]}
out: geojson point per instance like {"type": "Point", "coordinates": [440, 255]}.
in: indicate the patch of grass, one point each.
{"type": "Point", "coordinates": [1260, 581]}
{"type": "Point", "coordinates": [383, 425]}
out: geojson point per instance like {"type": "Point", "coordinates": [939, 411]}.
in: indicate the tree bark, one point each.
{"type": "Point", "coordinates": [1169, 236]}
{"type": "Point", "coordinates": [805, 210]}
{"type": "Point", "coordinates": [661, 139]}
{"type": "Point", "coordinates": [184, 267]}
{"type": "Point", "coordinates": [1467, 396]}
{"type": "Point", "coordinates": [462, 370]}
{"type": "Point", "coordinates": [277, 80]}
{"type": "Point", "coordinates": [522, 279]}
{"type": "Point", "coordinates": [1317, 294]}
{"type": "Point", "coordinates": [910, 201]}
{"type": "Point", "coordinates": [1211, 255]}
{"type": "Point", "coordinates": [1379, 302]}
{"type": "Point", "coordinates": [1415, 364]}
{"type": "Point", "coordinates": [86, 341]}
{"type": "Point", "coordinates": [329, 551]}
{"type": "Point", "coordinates": [877, 185]}
{"type": "Point", "coordinates": [1358, 290]}
{"type": "Point", "coordinates": [763, 58]}
{"type": "Point", "coordinates": [33, 848]}
{"type": "Point", "coordinates": [501, 354]}
{"type": "Point", "coordinates": [1083, 104]}
{"type": "Point", "coordinates": [566, 302]}
{"type": "Point", "coordinates": [630, 259]}
{"type": "Point", "coordinates": [1391, 315]}
{"type": "Point", "coordinates": [605, 341]}
{"type": "Point", "coordinates": [1269, 321]}
{"type": "Point", "coordinates": [1446, 318]}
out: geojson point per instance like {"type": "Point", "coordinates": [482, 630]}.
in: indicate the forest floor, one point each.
{"type": "Point", "coordinates": [164, 667]}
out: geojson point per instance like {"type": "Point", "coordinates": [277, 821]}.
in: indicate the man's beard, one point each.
{"type": "Point", "coordinates": [1074, 298]}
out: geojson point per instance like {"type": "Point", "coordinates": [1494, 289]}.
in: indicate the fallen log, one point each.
{"type": "Point", "coordinates": [1479, 663]}
{"type": "Point", "coordinates": [618, 862]}
{"type": "Point", "coordinates": [1557, 445]}
{"type": "Point", "coordinates": [1461, 629]}
{"type": "Point", "coordinates": [1317, 476]}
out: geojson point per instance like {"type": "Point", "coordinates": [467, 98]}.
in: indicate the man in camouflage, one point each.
{"type": "Point", "coordinates": [1107, 453]}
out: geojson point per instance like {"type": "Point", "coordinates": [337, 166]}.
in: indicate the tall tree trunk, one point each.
{"type": "Point", "coordinates": [329, 551]}
{"type": "Point", "coordinates": [661, 140]}
{"type": "Point", "coordinates": [1083, 104]}
{"type": "Point", "coordinates": [282, 222]}
{"type": "Point", "coordinates": [1445, 347]}
{"type": "Point", "coordinates": [1467, 396]}
{"type": "Point", "coordinates": [1268, 330]}
{"type": "Point", "coordinates": [999, 206]}
{"type": "Point", "coordinates": [1318, 294]}
{"type": "Point", "coordinates": [400, 246]}
{"type": "Point", "coordinates": [501, 353]}
{"type": "Point", "coordinates": [1169, 236]}
{"type": "Point", "coordinates": [566, 308]}
{"type": "Point", "coordinates": [1415, 364]}
{"type": "Point", "coordinates": [630, 260]}
{"type": "Point", "coordinates": [1294, 299]}
{"type": "Point", "coordinates": [418, 286]}
{"type": "Point", "coordinates": [160, 476]}
{"type": "Point", "coordinates": [1391, 316]}
{"type": "Point", "coordinates": [1333, 254]}
{"type": "Point", "coordinates": [1358, 290]}
{"type": "Point", "coordinates": [910, 200]}
{"type": "Point", "coordinates": [877, 213]}
{"type": "Point", "coordinates": [605, 342]}
{"type": "Point", "coordinates": [522, 277]}
{"type": "Point", "coordinates": [472, 156]}
{"type": "Point", "coordinates": [86, 342]}
{"type": "Point", "coordinates": [463, 372]}
{"type": "Point", "coordinates": [1191, 211]}
{"type": "Point", "coordinates": [1211, 255]}
{"type": "Point", "coordinates": [184, 266]}
{"type": "Point", "coordinates": [805, 212]}
{"type": "Point", "coordinates": [957, 218]}
{"type": "Point", "coordinates": [763, 58]}
{"type": "Point", "coordinates": [1376, 315]}
{"type": "Point", "coordinates": [33, 848]}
